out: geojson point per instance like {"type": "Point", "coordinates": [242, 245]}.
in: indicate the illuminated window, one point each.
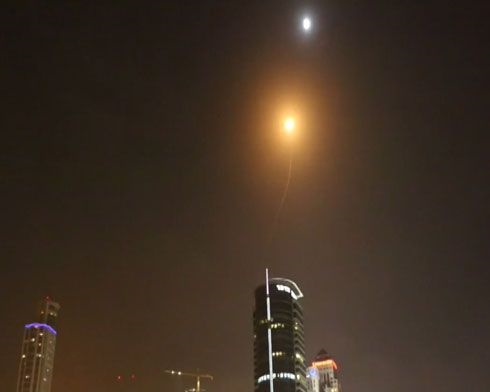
{"type": "Point", "coordinates": [282, 375]}
{"type": "Point", "coordinates": [281, 287]}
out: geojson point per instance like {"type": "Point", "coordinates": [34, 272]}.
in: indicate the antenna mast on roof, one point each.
{"type": "Point", "coordinates": [269, 331]}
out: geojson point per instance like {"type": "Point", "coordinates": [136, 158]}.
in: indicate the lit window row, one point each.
{"type": "Point", "coordinates": [278, 354]}
{"type": "Point", "coordinates": [326, 363]}
{"type": "Point", "coordinates": [266, 377]}
{"type": "Point", "coordinates": [278, 325]}
{"type": "Point", "coordinates": [287, 289]}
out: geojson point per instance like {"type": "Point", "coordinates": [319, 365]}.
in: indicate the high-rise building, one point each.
{"type": "Point", "coordinates": [37, 357]}
{"type": "Point", "coordinates": [323, 375]}
{"type": "Point", "coordinates": [286, 337]}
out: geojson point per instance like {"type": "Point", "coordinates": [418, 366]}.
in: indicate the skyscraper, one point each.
{"type": "Point", "coordinates": [287, 338]}
{"type": "Point", "coordinates": [322, 375]}
{"type": "Point", "coordinates": [37, 357]}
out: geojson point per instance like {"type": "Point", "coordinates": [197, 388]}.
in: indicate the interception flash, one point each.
{"type": "Point", "coordinates": [289, 125]}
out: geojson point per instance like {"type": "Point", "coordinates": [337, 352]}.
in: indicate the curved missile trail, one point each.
{"type": "Point", "coordinates": [286, 190]}
{"type": "Point", "coordinates": [275, 222]}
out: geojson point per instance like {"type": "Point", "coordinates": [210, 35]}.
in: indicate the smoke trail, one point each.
{"type": "Point", "coordinates": [286, 191]}
{"type": "Point", "coordinates": [284, 195]}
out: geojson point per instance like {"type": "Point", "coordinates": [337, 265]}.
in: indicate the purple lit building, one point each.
{"type": "Point", "coordinates": [38, 346]}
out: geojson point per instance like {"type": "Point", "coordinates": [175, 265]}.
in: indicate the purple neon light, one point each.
{"type": "Point", "coordinates": [39, 325]}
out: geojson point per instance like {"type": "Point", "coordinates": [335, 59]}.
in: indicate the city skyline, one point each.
{"type": "Point", "coordinates": [156, 157]}
{"type": "Point", "coordinates": [287, 350]}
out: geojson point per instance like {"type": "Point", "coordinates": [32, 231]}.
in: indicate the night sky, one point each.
{"type": "Point", "coordinates": [142, 164]}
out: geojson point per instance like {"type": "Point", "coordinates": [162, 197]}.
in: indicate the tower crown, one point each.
{"type": "Point", "coordinates": [48, 313]}
{"type": "Point", "coordinates": [323, 359]}
{"type": "Point", "coordinates": [322, 355]}
{"type": "Point", "coordinates": [288, 286]}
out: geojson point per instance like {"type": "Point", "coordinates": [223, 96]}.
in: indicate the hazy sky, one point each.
{"type": "Point", "coordinates": [142, 165]}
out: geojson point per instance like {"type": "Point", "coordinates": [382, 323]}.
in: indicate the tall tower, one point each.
{"type": "Point", "coordinates": [37, 357]}
{"type": "Point", "coordinates": [323, 374]}
{"type": "Point", "coordinates": [287, 338]}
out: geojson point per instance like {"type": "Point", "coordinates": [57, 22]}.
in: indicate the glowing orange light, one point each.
{"type": "Point", "coordinates": [328, 362]}
{"type": "Point", "coordinates": [289, 125]}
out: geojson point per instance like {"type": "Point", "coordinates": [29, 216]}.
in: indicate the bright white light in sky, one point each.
{"type": "Point", "coordinates": [306, 23]}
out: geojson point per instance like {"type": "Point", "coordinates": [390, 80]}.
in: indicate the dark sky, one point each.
{"type": "Point", "coordinates": [142, 166]}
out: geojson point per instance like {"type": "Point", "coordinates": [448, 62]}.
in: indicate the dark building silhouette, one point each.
{"type": "Point", "coordinates": [38, 347]}
{"type": "Point", "coordinates": [288, 345]}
